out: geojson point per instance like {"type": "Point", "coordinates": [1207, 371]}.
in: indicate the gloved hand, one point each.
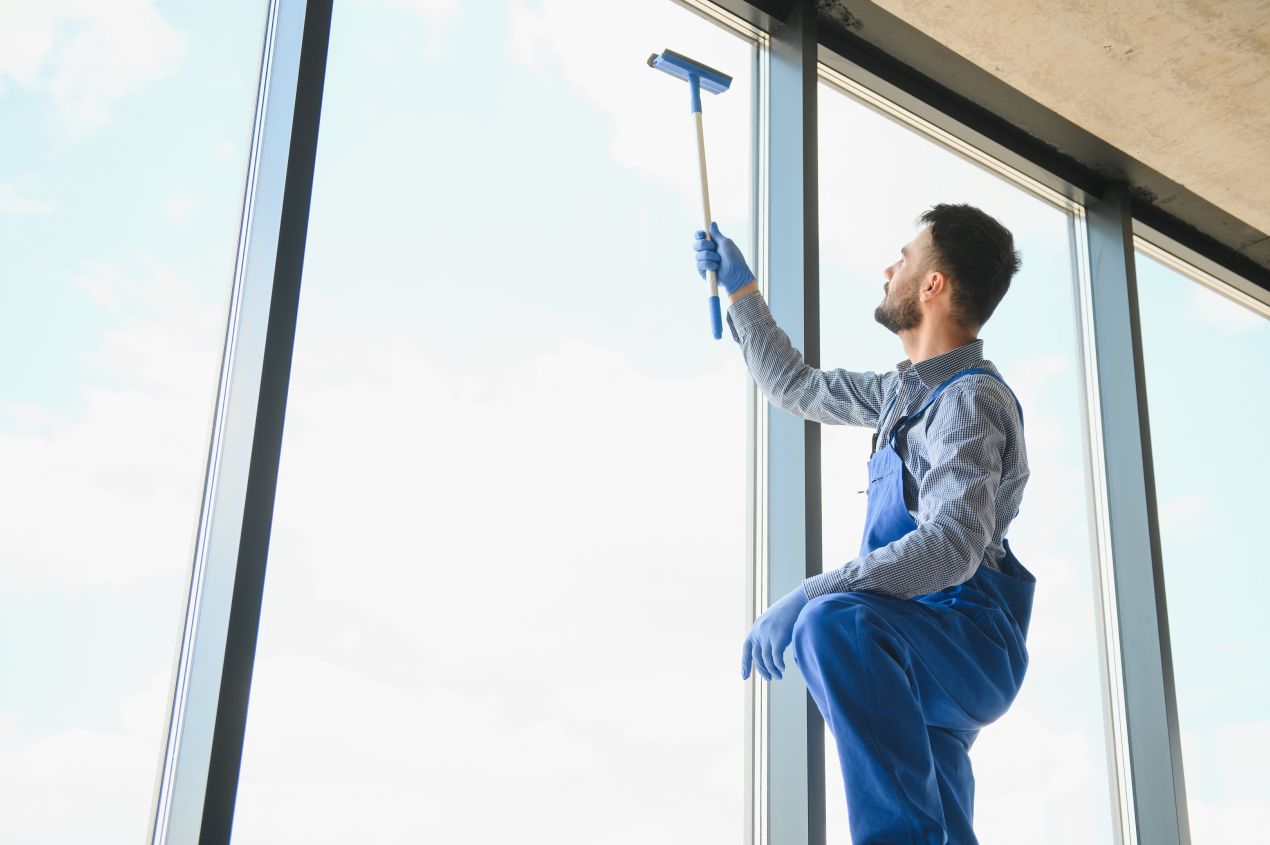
{"type": "Point", "coordinates": [771, 635]}
{"type": "Point", "coordinates": [721, 255]}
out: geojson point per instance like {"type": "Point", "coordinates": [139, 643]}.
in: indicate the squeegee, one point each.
{"type": "Point", "coordinates": [698, 76]}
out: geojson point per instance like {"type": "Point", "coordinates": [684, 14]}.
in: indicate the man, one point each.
{"type": "Point", "coordinates": [913, 646]}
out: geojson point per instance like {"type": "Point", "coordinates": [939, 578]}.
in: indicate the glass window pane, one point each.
{"type": "Point", "coordinates": [1041, 770]}
{"type": "Point", "coordinates": [506, 588]}
{"type": "Point", "coordinates": [125, 130]}
{"type": "Point", "coordinates": [1202, 351]}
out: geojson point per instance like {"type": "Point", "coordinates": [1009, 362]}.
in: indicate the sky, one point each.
{"type": "Point", "coordinates": [514, 457]}
{"type": "Point", "coordinates": [124, 129]}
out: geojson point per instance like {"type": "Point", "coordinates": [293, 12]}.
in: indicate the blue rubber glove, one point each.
{"type": "Point", "coordinates": [722, 256]}
{"type": "Point", "coordinates": [771, 635]}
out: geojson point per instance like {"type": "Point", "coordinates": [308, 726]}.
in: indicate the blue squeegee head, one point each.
{"type": "Point", "coordinates": [681, 66]}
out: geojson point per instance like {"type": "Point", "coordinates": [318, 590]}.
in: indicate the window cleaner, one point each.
{"type": "Point", "coordinates": [915, 645]}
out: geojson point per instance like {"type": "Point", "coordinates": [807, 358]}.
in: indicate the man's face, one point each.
{"type": "Point", "coordinates": [900, 309]}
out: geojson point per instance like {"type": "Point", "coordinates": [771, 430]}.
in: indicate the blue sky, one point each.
{"type": "Point", "coordinates": [506, 407]}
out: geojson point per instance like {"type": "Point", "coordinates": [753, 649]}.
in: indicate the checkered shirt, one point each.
{"type": "Point", "coordinates": [965, 462]}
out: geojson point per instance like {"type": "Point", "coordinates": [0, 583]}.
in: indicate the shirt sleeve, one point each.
{"type": "Point", "coordinates": [833, 397]}
{"type": "Point", "coordinates": [966, 443]}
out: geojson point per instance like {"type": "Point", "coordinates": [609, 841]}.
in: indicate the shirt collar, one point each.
{"type": "Point", "coordinates": [936, 370]}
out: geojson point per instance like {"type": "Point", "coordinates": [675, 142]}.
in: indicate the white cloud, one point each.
{"type": "Point", "coordinates": [101, 774]}
{"type": "Point", "coordinates": [434, 11]}
{"type": "Point", "coordinates": [1182, 516]}
{"type": "Point", "coordinates": [177, 206]}
{"type": "Point", "coordinates": [437, 16]}
{"type": "Point", "coordinates": [85, 55]}
{"type": "Point", "coordinates": [1216, 310]}
{"type": "Point", "coordinates": [129, 463]}
{"type": "Point", "coordinates": [562, 526]}
{"type": "Point", "coordinates": [1225, 781]}
{"type": "Point", "coordinates": [76, 784]}
{"type": "Point", "coordinates": [100, 282]}
{"type": "Point", "coordinates": [25, 41]}
{"type": "Point", "coordinates": [420, 747]}
{"type": "Point", "coordinates": [13, 200]}
{"type": "Point", "coordinates": [651, 128]}
{"type": "Point", "coordinates": [98, 512]}
{"type": "Point", "coordinates": [142, 713]}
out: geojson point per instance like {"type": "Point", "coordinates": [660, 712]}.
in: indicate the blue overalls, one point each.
{"type": "Point", "coordinates": [905, 685]}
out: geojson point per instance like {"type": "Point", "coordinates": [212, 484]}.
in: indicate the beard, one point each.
{"type": "Point", "coordinates": [902, 315]}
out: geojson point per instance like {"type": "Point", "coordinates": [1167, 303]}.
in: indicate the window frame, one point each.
{"type": "Point", "coordinates": [198, 774]}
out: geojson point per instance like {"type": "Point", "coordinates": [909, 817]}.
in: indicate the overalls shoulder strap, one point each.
{"type": "Point", "coordinates": [908, 420]}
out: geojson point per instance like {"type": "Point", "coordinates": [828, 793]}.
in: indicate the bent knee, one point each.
{"type": "Point", "coordinates": [826, 618]}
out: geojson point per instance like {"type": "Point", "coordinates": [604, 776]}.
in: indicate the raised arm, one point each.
{"type": "Point", "coordinates": [834, 397]}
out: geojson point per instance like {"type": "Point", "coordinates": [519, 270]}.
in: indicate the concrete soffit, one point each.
{"type": "Point", "coordinates": [1171, 98]}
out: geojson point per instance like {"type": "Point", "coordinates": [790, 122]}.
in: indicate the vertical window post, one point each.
{"type": "Point", "coordinates": [1153, 805]}
{"type": "Point", "coordinates": [794, 730]}
{"type": "Point", "coordinates": [199, 778]}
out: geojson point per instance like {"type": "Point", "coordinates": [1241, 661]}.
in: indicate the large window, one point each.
{"type": "Point", "coordinates": [1041, 771]}
{"type": "Point", "coordinates": [505, 598]}
{"type": "Point", "coordinates": [1206, 358]}
{"type": "Point", "coordinates": [125, 132]}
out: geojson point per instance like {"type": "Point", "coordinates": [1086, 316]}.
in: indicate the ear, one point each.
{"type": "Point", "coordinates": [934, 282]}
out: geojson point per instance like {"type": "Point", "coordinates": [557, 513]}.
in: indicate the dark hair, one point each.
{"type": "Point", "coordinates": [977, 253]}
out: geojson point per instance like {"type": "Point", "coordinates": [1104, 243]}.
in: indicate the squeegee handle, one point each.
{"type": "Point", "coordinates": [716, 317]}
